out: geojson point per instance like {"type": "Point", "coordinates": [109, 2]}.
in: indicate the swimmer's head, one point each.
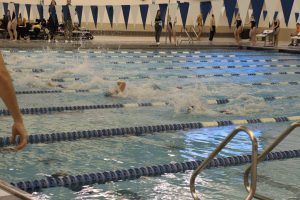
{"type": "Point", "coordinates": [121, 85]}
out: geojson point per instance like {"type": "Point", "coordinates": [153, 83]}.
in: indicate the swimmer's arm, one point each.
{"type": "Point", "coordinates": [7, 94]}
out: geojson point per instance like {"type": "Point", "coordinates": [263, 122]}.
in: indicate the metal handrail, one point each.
{"type": "Point", "coordinates": [190, 39]}
{"type": "Point", "coordinates": [194, 31]}
{"type": "Point", "coordinates": [262, 156]}
{"type": "Point", "coordinates": [218, 149]}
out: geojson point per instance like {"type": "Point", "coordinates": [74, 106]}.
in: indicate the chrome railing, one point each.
{"type": "Point", "coordinates": [262, 156]}
{"type": "Point", "coordinates": [218, 149]}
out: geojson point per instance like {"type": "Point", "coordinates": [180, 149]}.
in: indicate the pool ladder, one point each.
{"type": "Point", "coordinates": [251, 188]}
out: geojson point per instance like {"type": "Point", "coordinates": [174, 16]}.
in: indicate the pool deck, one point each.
{"type": "Point", "coordinates": [130, 42]}
{"type": "Point", "coordinates": [8, 192]}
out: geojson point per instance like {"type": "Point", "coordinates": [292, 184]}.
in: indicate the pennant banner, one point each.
{"type": "Point", "coordinates": [94, 10]}
{"type": "Point", "coordinates": [229, 8]}
{"type": "Point", "coordinates": [296, 16]}
{"type": "Point", "coordinates": [28, 7]}
{"type": "Point", "coordinates": [257, 6]}
{"type": "Point", "coordinates": [17, 6]}
{"type": "Point", "coordinates": [243, 9]}
{"type": "Point", "coordinates": [163, 10]}
{"type": "Point", "coordinates": [153, 10]}
{"type": "Point", "coordinates": [40, 10]}
{"type": "Point", "coordinates": [173, 10]}
{"type": "Point", "coordinates": [184, 8]}
{"type": "Point", "coordinates": [205, 8]}
{"type": "Point", "coordinates": [287, 6]}
{"type": "Point", "coordinates": [78, 10]}
{"type": "Point", "coordinates": [22, 10]}
{"type": "Point", "coordinates": [275, 15]}
{"type": "Point", "coordinates": [72, 10]}
{"type": "Point", "coordinates": [265, 13]}
{"type": "Point", "coordinates": [126, 11]}
{"type": "Point", "coordinates": [144, 13]}
{"type": "Point", "coordinates": [110, 13]}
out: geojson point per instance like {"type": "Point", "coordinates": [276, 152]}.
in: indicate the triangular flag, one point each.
{"type": "Point", "coordinates": [163, 10]}
{"type": "Point", "coordinates": [117, 13]}
{"type": "Point", "coordinates": [184, 8]}
{"type": "Point", "coordinates": [275, 14]}
{"type": "Point", "coordinates": [58, 9]}
{"type": "Point", "coordinates": [40, 11]}
{"type": "Point", "coordinates": [46, 12]}
{"type": "Point", "coordinates": [243, 9]}
{"type": "Point", "coordinates": [94, 10]}
{"type": "Point", "coordinates": [11, 8]}
{"type": "Point", "coordinates": [250, 13]}
{"type": "Point", "coordinates": [5, 7]}
{"type": "Point", "coordinates": [229, 8]}
{"type": "Point", "coordinates": [134, 13]}
{"type": "Point", "coordinates": [257, 6]}
{"type": "Point", "coordinates": [101, 12]}
{"type": "Point", "coordinates": [86, 10]}
{"type": "Point", "coordinates": [17, 6]}
{"type": "Point", "coordinates": [296, 16]}
{"type": "Point", "coordinates": [126, 11]}
{"type": "Point", "coordinates": [144, 13]}
{"type": "Point", "coordinates": [287, 6]}
{"type": "Point", "coordinates": [218, 10]}
{"type": "Point", "coordinates": [110, 14]}
{"type": "Point", "coordinates": [78, 10]}
{"type": "Point", "coordinates": [28, 6]}
{"type": "Point", "coordinates": [205, 8]}
{"type": "Point", "coordinates": [265, 13]}
{"type": "Point", "coordinates": [194, 10]}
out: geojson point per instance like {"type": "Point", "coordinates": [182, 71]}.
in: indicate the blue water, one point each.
{"type": "Point", "coordinates": [279, 179]}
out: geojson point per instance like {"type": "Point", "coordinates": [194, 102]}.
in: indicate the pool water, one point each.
{"type": "Point", "coordinates": [101, 69]}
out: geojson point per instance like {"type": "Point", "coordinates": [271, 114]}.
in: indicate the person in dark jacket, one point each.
{"type": "Point", "coordinates": [52, 21]}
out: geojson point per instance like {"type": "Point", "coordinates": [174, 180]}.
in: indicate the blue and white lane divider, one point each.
{"type": "Point", "coordinates": [284, 83]}
{"type": "Point", "coordinates": [68, 79]}
{"type": "Point", "coordinates": [59, 91]}
{"type": "Point", "coordinates": [196, 61]}
{"type": "Point", "coordinates": [149, 171]}
{"type": "Point", "coordinates": [122, 52]}
{"type": "Point", "coordinates": [49, 110]}
{"type": "Point", "coordinates": [201, 75]}
{"type": "Point", "coordinates": [33, 70]}
{"type": "Point", "coordinates": [219, 67]}
{"type": "Point", "coordinates": [102, 133]}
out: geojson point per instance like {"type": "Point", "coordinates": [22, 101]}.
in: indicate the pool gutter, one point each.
{"type": "Point", "coordinates": [9, 192]}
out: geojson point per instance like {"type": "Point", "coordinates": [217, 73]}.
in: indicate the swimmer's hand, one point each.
{"type": "Point", "coordinates": [19, 129]}
{"type": "Point", "coordinates": [108, 94]}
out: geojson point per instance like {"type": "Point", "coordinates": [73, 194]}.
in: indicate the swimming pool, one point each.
{"type": "Point", "coordinates": [180, 79]}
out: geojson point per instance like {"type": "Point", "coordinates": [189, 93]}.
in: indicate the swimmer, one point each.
{"type": "Point", "coordinates": [155, 87]}
{"type": "Point", "coordinates": [121, 85]}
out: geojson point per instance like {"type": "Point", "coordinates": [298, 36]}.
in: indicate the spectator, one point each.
{"type": "Point", "coordinates": [252, 33]}
{"type": "Point", "coordinates": [12, 26]}
{"type": "Point", "coordinates": [68, 25]}
{"type": "Point", "coordinates": [212, 28]}
{"type": "Point", "coordinates": [158, 27]}
{"type": "Point", "coordinates": [297, 32]}
{"type": "Point", "coordinates": [52, 21]}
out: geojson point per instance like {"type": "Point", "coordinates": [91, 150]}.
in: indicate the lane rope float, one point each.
{"type": "Point", "coordinates": [139, 130]}
{"type": "Point", "coordinates": [149, 171]}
